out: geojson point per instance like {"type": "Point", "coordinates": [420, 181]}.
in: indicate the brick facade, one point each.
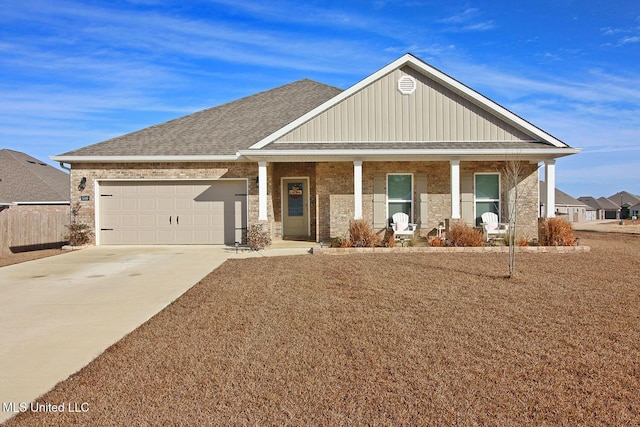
{"type": "Point", "coordinates": [331, 205]}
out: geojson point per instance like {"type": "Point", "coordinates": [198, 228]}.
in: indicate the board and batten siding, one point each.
{"type": "Point", "coordinates": [380, 112]}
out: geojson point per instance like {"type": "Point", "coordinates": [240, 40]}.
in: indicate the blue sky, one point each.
{"type": "Point", "coordinates": [74, 73]}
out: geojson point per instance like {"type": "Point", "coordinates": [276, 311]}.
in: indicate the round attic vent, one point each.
{"type": "Point", "coordinates": [406, 85]}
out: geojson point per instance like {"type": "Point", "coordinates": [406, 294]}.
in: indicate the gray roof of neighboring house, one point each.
{"type": "Point", "coordinates": [562, 198]}
{"type": "Point", "coordinates": [27, 179]}
{"type": "Point", "coordinates": [627, 199]}
{"type": "Point", "coordinates": [590, 201]}
{"type": "Point", "coordinates": [607, 204]}
{"type": "Point", "coordinates": [220, 130]}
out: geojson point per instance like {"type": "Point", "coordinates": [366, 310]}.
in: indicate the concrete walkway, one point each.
{"type": "Point", "coordinates": [59, 313]}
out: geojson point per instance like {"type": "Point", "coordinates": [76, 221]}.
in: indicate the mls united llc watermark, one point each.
{"type": "Point", "coordinates": [16, 407]}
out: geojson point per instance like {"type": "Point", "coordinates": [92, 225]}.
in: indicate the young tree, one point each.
{"type": "Point", "coordinates": [513, 173]}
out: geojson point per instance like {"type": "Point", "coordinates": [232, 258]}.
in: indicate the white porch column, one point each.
{"type": "Point", "coordinates": [357, 188]}
{"type": "Point", "coordinates": [262, 191]}
{"type": "Point", "coordinates": [455, 189]}
{"type": "Point", "coordinates": [550, 181]}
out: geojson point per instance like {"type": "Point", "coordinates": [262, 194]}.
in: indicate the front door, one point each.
{"type": "Point", "coordinates": [295, 212]}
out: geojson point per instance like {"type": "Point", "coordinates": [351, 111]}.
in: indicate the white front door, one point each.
{"type": "Point", "coordinates": [295, 209]}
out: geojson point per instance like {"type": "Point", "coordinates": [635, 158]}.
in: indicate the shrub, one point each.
{"type": "Point", "coordinates": [523, 241]}
{"type": "Point", "coordinates": [340, 242]}
{"type": "Point", "coordinates": [361, 234]}
{"type": "Point", "coordinates": [437, 242]}
{"type": "Point", "coordinates": [556, 232]}
{"type": "Point", "coordinates": [79, 232]}
{"type": "Point", "coordinates": [257, 238]}
{"type": "Point", "coordinates": [463, 235]}
{"type": "Point", "coordinates": [389, 239]}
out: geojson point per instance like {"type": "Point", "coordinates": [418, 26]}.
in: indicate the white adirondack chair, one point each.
{"type": "Point", "coordinates": [401, 226]}
{"type": "Point", "coordinates": [492, 228]}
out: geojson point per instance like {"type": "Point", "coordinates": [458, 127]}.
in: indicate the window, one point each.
{"type": "Point", "coordinates": [487, 195]}
{"type": "Point", "coordinates": [295, 203]}
{"type": "Point", "coordinates": [400, 195]}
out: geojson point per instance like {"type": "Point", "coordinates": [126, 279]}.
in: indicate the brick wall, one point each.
{"type": "Point", "coordinates": [336, 201]}
{"type": "Point", "coordinates": [158, 171]}
{"type": "Point", "coordinates": [331, 189]}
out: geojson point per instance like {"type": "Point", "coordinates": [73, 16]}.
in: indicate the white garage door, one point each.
{"type": "Point", "coordinates": [172, 212]}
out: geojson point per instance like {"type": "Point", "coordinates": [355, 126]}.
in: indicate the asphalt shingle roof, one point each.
{"type": "Point", "coordinates": [625, 198]}
{"type": "Point", "coordinates": [561, 197]}
{"type": "Point", "coordinates": [26, 179]}
{"type": "Point", "coordinates": [590, 201]}
{"type": "Point", "coordinates": [607, 204]}
{"type": "Point", "coordinates": [221, 130]}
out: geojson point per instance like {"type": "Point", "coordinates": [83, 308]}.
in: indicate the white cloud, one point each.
{"type": "Point", "coordinates": [630, 39]}
{"type": "Point", "coordinates": [467, 20]}
{"type": "Point", "coordinates": [627, 34]}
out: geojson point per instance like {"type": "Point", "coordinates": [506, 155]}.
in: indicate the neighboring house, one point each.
{"type": "Point", "coordinates": [594, 210]}
{"type": "Point", "coordinates": [611, 209]}
{"type": "Point", "coordinates": [567, 207]}
{"type": "Point", "coordinates": [635, 210]}
{"type": "Point", "coordinates": [625, 200]}
{"type": "Point", "coordinates": [34, 203]}
{"type": "Point", "coordinates": [305, 159]}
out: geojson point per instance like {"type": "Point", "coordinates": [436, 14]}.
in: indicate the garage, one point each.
{"type": "Point", "coordinates": [171, 212]}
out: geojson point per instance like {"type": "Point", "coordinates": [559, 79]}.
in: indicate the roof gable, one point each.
{"type": "Point", "coordinates": [440, 110]}
{"type": "Point", "coordinates": [626, 199]}
{"type": "Point", "coordinates": [381, 113]}
{"type": "Point", "coordinates": [25, 179]}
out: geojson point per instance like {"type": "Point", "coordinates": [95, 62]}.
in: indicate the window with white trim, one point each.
{"type": "Point", "coordinates": [400, 195]}
{"type": "Point", "coordinates": [487, 195]}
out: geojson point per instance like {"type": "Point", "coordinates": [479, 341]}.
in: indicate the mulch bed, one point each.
{"type": "Point", "coordinates": [381, 339]}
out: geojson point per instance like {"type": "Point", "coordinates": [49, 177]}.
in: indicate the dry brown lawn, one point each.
{"type": "Point", "coordinates": [382, 339]}
{"type": "Point", "coordinates": [17, 258]}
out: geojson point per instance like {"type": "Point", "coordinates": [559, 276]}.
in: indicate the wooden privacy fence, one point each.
{"type": "Point", "coordinates": [31, 227]}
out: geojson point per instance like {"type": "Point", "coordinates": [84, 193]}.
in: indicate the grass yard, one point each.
{"type": "Point", "coordinates": [384, 339]}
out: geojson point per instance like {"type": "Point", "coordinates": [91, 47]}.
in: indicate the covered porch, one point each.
{"type": "Point", "coordinates": [315, 201]}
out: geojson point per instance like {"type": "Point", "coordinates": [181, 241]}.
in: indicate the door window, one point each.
{"type": "Point", "coordinates": [295, 202]}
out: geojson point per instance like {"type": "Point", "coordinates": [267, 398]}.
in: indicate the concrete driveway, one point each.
{"type": "Point", "coordinates": [57, 314]}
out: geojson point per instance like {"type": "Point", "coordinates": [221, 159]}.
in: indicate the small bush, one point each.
{"type": "Point", "coordinates": [340, 242]}
{"type": "Point", "coordinates": [389, 239]}
{"type": "Point", "coordinates": [437, 242]}
{"type": "Point", "coordinates": [556, 232]}
{"type": "Point", "coordinates": [362, 235]}
{"type": "Point", "coordinates": [463, 235]}
{"type": "Point", "coordinates": [79, 232]}
{"type": "Point", "coordinates": [523, 241]}
{"type": "Point", "coordinates": [257, 238]}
